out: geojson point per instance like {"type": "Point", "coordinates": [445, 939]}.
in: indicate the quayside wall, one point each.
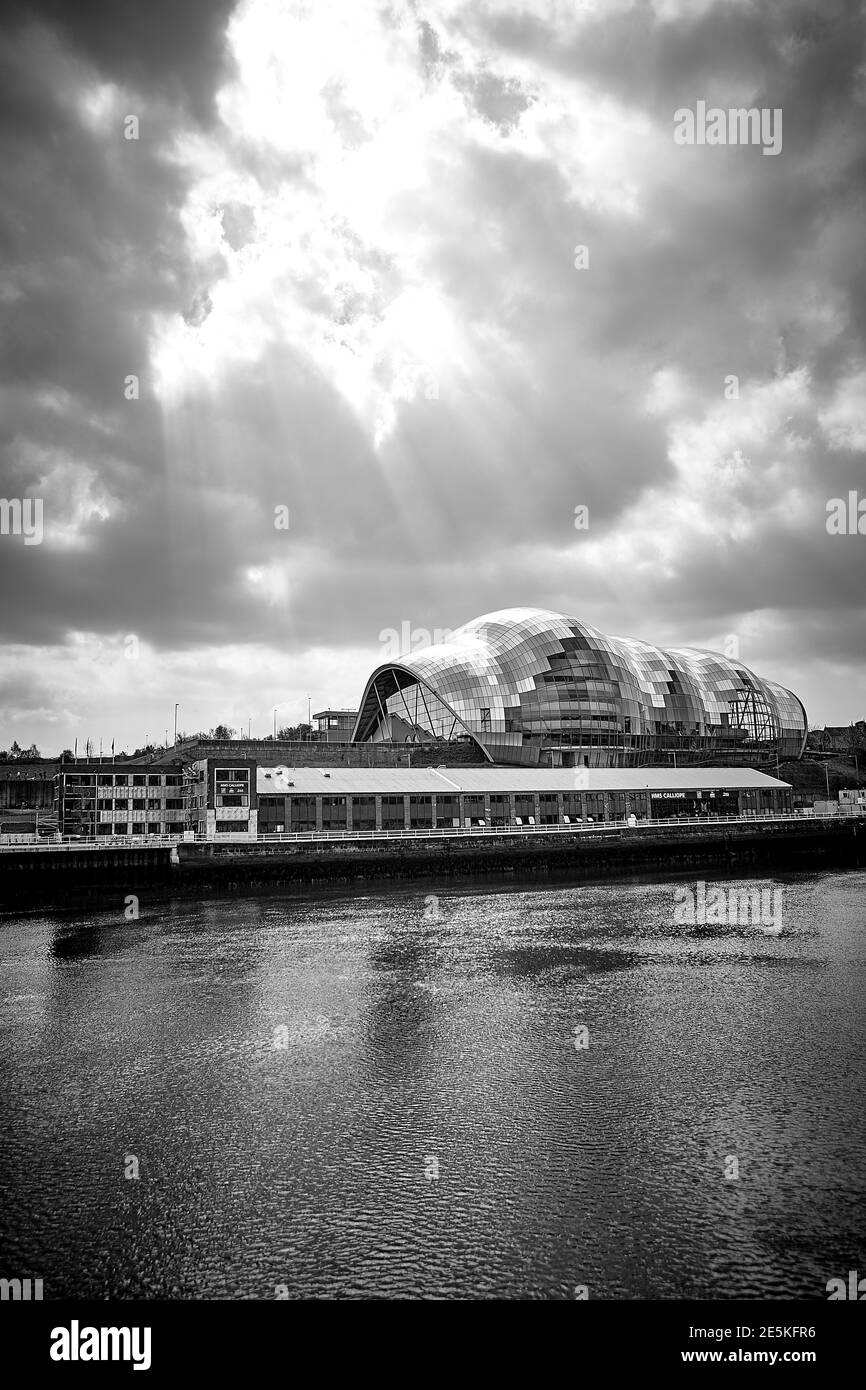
{"type": "Point", "coordinates": [219, 867]}
{"type": "Point", "coordinates": [790, 846]}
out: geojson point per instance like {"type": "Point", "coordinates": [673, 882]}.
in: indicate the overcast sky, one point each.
{"type": "Point", "coordinates": [340, 259]}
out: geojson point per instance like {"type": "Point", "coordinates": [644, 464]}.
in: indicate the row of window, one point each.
{"type": "Point", "coordinates": [155, 803]}
{"type": "Point", "coordinates": [301, 812]}
{"type": "Point", "coordinates": [134, 828]}
{"type": "Point", "coordinates": [123, 779]}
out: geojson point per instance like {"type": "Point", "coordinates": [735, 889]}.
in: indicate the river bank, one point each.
{"type": "Point", "coordinates": [49, 876]}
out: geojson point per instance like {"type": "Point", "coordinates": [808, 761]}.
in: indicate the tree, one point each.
{"type": "Point", "coordinates": [222, 731]}
{"type": "Point", "coordinates": [15, 751]}
{"type": "Point", "coordinates": [294, 733]}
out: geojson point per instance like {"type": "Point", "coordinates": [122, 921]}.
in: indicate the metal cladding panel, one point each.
{"type": "Point", "coordinates": [524, 677]}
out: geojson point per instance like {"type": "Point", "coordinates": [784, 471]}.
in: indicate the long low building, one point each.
{"type": "Point", "coordinates": [296, 799]}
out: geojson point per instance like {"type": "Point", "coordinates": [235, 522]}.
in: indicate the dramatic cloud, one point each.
{"type": "Point", "coordinates": [430, 277]}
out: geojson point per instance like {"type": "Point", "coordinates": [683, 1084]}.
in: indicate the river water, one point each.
{"type": "Point", "coordinates": [436, 1091]}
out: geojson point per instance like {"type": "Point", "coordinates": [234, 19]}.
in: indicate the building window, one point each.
{"type": "Point", "coordinates": [448, 810]}
{"type": "Point", "coordinates": [549, 808]}
{"type": "Point", "coordinates": [121, 829]}
{"type": "Point", "coordinates": [363, 813]}
{"type": "Point", "coordinates": [473, 810]}
{"type": "Point", "coordinates": [121, 805]}
{"type": "Point", "coordinates": [230, 827]}
{"type": "Point", "coordinates": [138, 828]}
{"type": "Point", "coordinates": [154, 780]}
{"type": "Point", "coordinates": [139, 781]}
{"type": "Point", "coordinates": [393, 813]}
{"type": "Point", "coordinates": [420, 811]}
{"type": "Point", "coordinates": [334, 812]}
{"type": "Point", "coordinates": [302, 812]}
{"type": "Point", "coordinates": [500, 809]}
{"type": "Point", "coordinates": [154, 828]}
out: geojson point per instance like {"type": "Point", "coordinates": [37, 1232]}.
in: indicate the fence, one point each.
{"type": "Point", "coordinates": [607, 828]}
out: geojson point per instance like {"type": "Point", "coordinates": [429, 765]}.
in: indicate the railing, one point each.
{"type": "Point", "coordinates": [598, 827]}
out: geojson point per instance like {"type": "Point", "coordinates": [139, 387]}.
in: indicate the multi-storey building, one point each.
{"type": "Point", "coordinates": [94, 799]}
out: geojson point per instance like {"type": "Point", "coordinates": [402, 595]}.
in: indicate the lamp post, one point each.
{"type": "Point", "coordinates": [309, 720]}
{"type": "Point", "coordinates": [176, 708]}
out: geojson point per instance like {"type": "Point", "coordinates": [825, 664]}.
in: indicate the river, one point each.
{"type": "Point", "coordinates": [436, 1091]}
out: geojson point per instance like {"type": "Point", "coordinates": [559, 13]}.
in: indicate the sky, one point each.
{"type": "Point", "coordinates": [299, 347]}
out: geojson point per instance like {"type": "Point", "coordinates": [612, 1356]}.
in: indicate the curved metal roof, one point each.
{"type": "Point", "coordinates": [524, 671]}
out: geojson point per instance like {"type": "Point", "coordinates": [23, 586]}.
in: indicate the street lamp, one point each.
{"type": "Point", "coordinates": [276, 707]}
{"type": "Point", "coordinates": [309, 719]}
{"type": "Point", "coordinates": [176, 708]}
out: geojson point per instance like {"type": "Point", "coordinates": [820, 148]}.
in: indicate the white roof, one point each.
{"type": "Point", "coordinates": [370, 781]}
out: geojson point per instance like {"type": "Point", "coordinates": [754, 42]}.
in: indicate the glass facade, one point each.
{"type": "Point", "coordinates": [532, 686]}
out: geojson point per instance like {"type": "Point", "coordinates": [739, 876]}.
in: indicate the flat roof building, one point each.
{"type": "Point", "coordinates": [346, 799]}
{"type": "Point", "coordinates": [335, 725]}
{"type": "Point", "coordinates": [120, 799]}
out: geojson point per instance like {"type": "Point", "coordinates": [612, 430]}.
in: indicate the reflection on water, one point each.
{"type": "Point", "coordinates": [389, 1095]}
